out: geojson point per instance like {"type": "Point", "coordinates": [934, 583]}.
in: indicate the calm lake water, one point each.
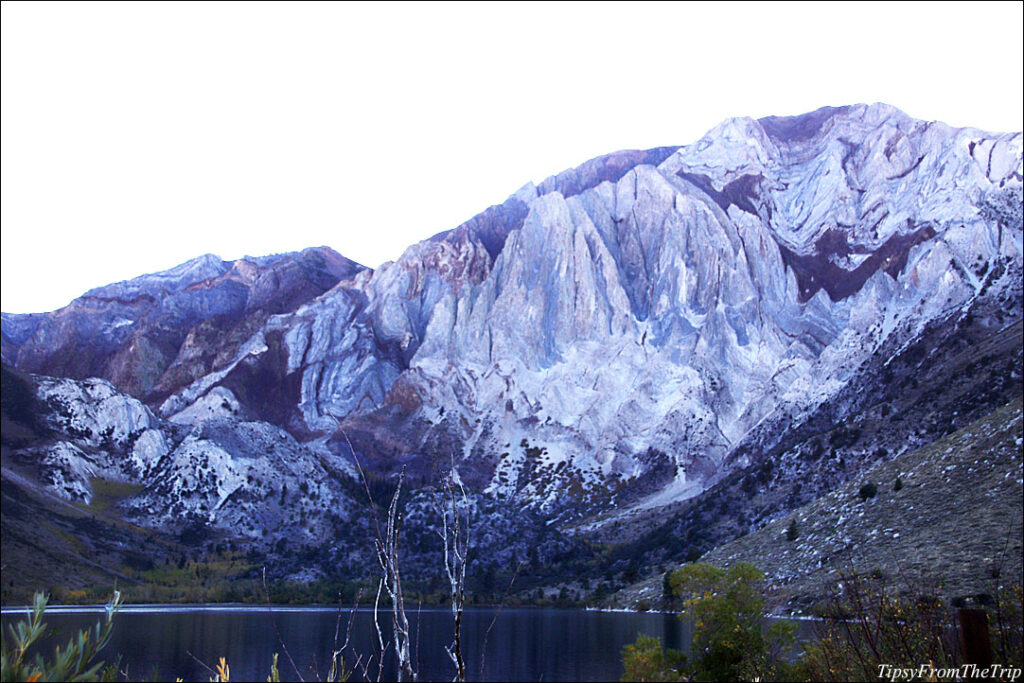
{"type": "Point", "coordinates": [524, 644]}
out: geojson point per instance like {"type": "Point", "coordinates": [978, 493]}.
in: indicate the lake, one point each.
{"type": "Point", "coordinates": [523, 644]}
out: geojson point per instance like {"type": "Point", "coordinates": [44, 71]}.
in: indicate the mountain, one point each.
{"type": "Point", "coordinates": [684, 342]}
{"type": "Point", "coordinates": [895, 523]}
{"type": "Point", "coordinates": [152, 335]}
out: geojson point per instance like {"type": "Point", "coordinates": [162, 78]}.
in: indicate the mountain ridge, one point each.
{"type": "Point", "coordinates": [628, 335]}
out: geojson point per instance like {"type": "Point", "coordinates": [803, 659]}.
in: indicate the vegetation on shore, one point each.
{"type": "Point", "coordinates": [75, 661]}
{"type": "Point", "coordinates": [866, 625]}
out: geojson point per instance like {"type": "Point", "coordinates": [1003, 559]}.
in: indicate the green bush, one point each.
{"type": "Point", "coordinates": [73, 662]}
{"type": "Point", "coordinates": [647, 660]}
{"type": "Point", "coordinates": [728, 612]}
{"type": "Point", "coordinates": [728, 642]}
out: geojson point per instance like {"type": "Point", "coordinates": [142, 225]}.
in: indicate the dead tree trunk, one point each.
{"type": "Point", "coordinates": [391, 578]}
{"type": "Point", "coordinates": [387, 555]}
{"type": "Point", "coordinates": [456, 551]}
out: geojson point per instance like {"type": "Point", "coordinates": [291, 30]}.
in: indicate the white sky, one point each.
{"type": "Point", "coordinates": [137, 136]}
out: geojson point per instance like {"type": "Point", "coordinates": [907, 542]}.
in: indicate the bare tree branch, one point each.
{"type": "Point", "coordinates": [456, 552]}
{"type": "Point", "coordinates": [387, 556]}
{"type": "Point", "coordinates": [391, 579]}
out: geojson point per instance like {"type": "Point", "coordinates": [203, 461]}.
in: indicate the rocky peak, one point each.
{"type": "Point", "coordinates": [200, 269]}
{"type": "Point", "coordinates": [628, 320]}
{"type": "Point", "coordinates": [143, 334]}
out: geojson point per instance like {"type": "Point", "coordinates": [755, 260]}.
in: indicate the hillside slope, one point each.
{"type": "Point", "coordinates": [955, 517]}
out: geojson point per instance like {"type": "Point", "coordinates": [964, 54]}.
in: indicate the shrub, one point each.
{"type": "Point", "coordinates": [728, 641]}
{"type": "Point", "coordinates": [647, 660]}
{"type": "Point", "coordinates": [667, 596]}
{"type": "Point", "coordinates": [867, 625]}
{"type": "Point", "coordinates": [73, 662]}
{"type": "Point", "coordinates": [868, 490]}
{"type": "Point", "coordinates": [728, 611]}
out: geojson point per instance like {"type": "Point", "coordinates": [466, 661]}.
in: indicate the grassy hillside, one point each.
{"type": "Point", "coordinates": [951, 527]}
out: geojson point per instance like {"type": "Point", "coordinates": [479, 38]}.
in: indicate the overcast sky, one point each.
{"type": "Point", "coordinates": [138, 136]}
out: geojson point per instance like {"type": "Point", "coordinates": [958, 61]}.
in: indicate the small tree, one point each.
{"type": "Point", "coordinates": [728, 641]}
{"type": "Point", "coordinates": [792, 531]}
{"type": "Point", "coordinates": [728, 611]}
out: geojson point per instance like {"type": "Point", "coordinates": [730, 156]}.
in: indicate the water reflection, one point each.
{"type": "Point", "coordinates": [523, 644]}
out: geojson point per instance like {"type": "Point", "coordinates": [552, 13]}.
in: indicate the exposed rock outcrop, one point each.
{"type": "Point", "coordinates": [625, 333]}
{"type": "Point", "coordinates": [151, 335]}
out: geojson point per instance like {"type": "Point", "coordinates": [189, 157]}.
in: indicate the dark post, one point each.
{"type": "Point", "coordinates": [974, 637]}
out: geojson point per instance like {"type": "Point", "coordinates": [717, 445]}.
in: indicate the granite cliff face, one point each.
{"type": "Point", "coordinates": [640, 315]}
{"type": "Point", "coordinates": [620, 337]}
